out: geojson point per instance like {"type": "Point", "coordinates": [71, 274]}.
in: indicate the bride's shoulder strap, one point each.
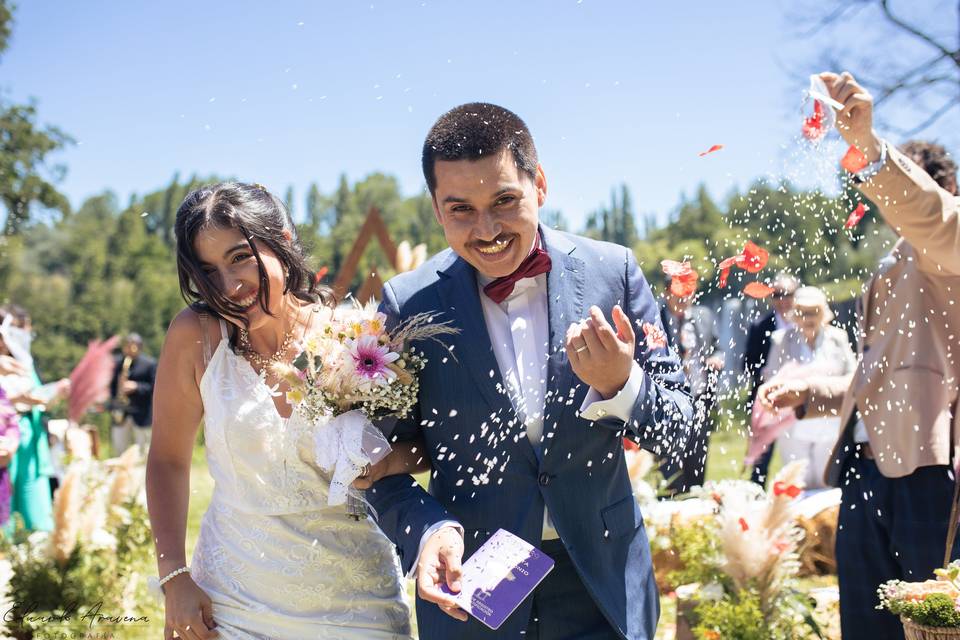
{"type": "Point", "coordinates": [205, 337]}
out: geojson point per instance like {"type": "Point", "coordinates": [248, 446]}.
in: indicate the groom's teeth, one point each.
{"type": "Point", "coordinates": [497, 247]}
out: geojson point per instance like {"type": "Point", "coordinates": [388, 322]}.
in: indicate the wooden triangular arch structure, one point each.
{"type": "Point", "coordinates": [373, 283]}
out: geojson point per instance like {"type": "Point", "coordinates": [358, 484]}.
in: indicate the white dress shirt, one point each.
{"type": "Point", "coordinates": [519, 333]}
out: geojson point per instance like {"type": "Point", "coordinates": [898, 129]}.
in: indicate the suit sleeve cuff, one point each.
{"type": "Point", "coordinates": [426, 535]}
{"type": "Point", "coordinates": [620, 406]}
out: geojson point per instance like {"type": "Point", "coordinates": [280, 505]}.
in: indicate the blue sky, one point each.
{"type": "Point", "coordinates": [292, 92]}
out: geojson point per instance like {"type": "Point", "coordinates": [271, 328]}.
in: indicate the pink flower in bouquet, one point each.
{"type": "Point", "coordinates": [371, 361]}
{"type": "Point", "coordinates": [376, 326]}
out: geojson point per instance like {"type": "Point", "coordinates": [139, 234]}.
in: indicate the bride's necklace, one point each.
{"type": "Point", "coordinates": [263, 363]}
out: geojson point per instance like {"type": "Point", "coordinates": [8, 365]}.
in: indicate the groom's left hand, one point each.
{"type": "Point", "coordinates": [600, 355]}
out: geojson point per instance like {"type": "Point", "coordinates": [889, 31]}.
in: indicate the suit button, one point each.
{"type": "Point", "coordinates": [544, 479]}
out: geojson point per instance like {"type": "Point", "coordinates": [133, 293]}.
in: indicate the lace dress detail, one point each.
{"type": "Point", "coordinates": [275, 560]}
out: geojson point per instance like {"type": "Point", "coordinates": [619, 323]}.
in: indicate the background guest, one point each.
{"type": "Point", "coordinates": [9, 443]}
{"type": "Point", "coordinates": [132, 393]}
{"type": "Point", "coordinates": [758, 348]}
{"type": "Point", "coordinates": [30, 468]}
{"type": "Point", "coordinates": [823, 348]}
{"type": "Point", "coordinates": [691, 332]}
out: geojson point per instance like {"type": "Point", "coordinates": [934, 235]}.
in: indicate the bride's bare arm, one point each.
{"type": "Point", "coordinates": [177, 411]}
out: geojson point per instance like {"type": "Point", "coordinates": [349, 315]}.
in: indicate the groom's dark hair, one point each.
{"type": "Point", "coordinates": [473, 131]}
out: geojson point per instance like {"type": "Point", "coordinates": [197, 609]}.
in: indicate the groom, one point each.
{"type": "Point", "coordinates": [523, 412]}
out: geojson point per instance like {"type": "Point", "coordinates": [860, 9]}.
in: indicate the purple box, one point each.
{"type": "Point", "coordinates": [499, 576]}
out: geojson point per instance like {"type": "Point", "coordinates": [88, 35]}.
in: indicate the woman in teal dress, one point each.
{"type": "Point", "coordinates": [30, 469]}
{"type": "Point", "coordinates": [30, 472]}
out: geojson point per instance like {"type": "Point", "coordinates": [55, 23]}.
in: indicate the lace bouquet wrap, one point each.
{"type": "Point", "coordinates": [352, 370]}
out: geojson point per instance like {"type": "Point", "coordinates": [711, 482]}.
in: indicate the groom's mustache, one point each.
{"type": "Point", "coordinates": [483, 244]}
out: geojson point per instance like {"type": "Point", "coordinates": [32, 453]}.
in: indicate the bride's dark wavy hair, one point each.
{"type": "Point", "coordinates": [260, 216]}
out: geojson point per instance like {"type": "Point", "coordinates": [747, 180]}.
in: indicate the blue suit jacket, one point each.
{"type": "Point", "coordinates": [487, 475]}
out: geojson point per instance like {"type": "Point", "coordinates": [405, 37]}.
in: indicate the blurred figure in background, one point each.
{"type": "Point", "coordinates": [812, 346]}
{"type": "Point", "coordinates": [691, 332]}
{"type": "Point", "coordinates": [30, 468]}
{"type": "Point", "coordinates": [132, 392]}
{"type": "Point", "coordinates": [758, 348]}
{"type": "Point", "coordinates": [9, 443]}
{"type": "Point", "coordinates": [935, 160]}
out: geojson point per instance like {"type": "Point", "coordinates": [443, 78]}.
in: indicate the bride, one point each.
{"type": "Point", "coordinates": [272, 560]}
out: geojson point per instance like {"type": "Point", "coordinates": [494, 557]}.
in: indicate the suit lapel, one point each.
{"type": "Point", "coordinates": [565, 290]}
{"type": "Point", "coordinates": [472, 348]}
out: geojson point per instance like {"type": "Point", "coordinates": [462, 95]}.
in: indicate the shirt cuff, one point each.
{"type": "Point", "coordinates": [873, 168]}
{"type": "Point", "coordinates": [426, 535]}
{"type": "Point", "coordinates": [620, 406]}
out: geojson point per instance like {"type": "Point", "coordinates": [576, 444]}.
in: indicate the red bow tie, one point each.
{"type": "Point", "coordinates": [536, 263]}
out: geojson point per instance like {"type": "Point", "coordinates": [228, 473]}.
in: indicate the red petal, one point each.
{"type": "Point", "coordinates": [673, 268]}
{"type": "Point", "coordinates": [813, 127]}
{"type": "Point", "coordinates": [743, 524]}
{"type": "Point", "coordinates": [726, 263]}
{"type": "Point", "coordinates": [855, 216]}
{"type": "Point", "coordinates": [715, 147]}
{"type": "Point", "coordinates": [656, 338]}
{"type": "Point", "coordinates": [630, 445]}
{"type": "Point", "coordinates": [757, 290]}
{"type": "Point", "coordinates": [755, 258]}
{"type": "Point", "coordinates": [320, 274]}
{"type": "Point", "coordinates": [853, 160]}
{"type": "Point", "coordinates": [684, 286]}
{"type": "Point", "coordinates": [724, 274]}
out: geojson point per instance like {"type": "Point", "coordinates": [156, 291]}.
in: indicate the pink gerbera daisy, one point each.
{"type": "Point", "coordinates": [370, 360]}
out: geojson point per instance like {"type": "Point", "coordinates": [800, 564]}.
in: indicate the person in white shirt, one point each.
{"type": "Point", "coordinates": [819, 348]}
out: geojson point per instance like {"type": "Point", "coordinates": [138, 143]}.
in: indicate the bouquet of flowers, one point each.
{"type": "Point", "coordinates": [929, 609]}
{"type": "Point", "coordinates": [352, 370]}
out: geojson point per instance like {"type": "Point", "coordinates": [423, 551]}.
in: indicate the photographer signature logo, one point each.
{"type": "Point", "coordinates": [25, 614]}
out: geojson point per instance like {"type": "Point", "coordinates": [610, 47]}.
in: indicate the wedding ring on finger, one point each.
{"type": "Point", "coordinates": [366, 471]}
{"type": "Point", "coordinates": [582, 347]}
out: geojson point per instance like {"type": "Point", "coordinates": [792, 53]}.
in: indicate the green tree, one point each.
{"type": "Point", "coordinates": [6, 25]}
{"type": "Point", "coordinates": [288, 201]}
{"type": "Point", "coordinates": [27, 173]}
{"type": "Point", "coordinates": [616, 223]}
{"type": "Point", "coordinates": [554, 219]}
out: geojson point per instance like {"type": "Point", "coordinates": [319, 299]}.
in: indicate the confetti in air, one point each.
{"type": "Point", "coordinates": [683, 279]}
{"type": "Point", "coordinates": [814, 127]}
{"type": "Point", "coordinates": [758, 290]}
{"type": "Point", "coordinates": [855, 216]}
{"type": "Point", "coordinates": [853, 160]}
{"type": "Point", "coordinates": [655, 337]}
{"type": "Point", "coordinates": [712, 149]}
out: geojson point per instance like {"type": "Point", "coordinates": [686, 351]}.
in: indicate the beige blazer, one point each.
{"type": "Point", "coordinates": [906, 381]}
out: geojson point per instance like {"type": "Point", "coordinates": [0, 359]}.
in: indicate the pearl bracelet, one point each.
{"type": "Point", "coordinates": [173, 574]}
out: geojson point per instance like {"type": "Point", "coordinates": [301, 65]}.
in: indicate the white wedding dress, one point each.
{"type": "Point", "coordinates": [274, 558]}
